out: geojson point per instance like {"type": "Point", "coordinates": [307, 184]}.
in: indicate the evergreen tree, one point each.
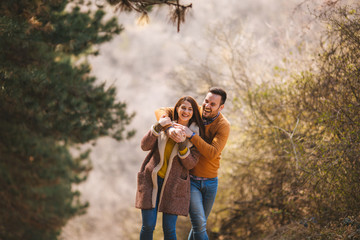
{"type": "Point", "coordinates": [49, 104]}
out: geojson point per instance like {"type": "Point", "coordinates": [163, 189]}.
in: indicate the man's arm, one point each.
{"type": "Point", "coordinates": [171, 132]}
{"type": "Point", "coordinates": [214, 149]}
{"type": "Point", "coordinates": [163, 111]}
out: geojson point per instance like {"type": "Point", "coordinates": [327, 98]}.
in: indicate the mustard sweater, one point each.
{"type": "Point", "coordinates": [210, 148]}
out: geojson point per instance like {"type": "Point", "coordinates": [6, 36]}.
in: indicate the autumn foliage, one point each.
{"type": "Point", "coordinates": [295, 170]}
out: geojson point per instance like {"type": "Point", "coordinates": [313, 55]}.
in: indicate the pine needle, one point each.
{"type": "Point", "coordinates": [143, 19]}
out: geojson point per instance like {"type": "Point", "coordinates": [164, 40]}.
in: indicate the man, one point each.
{"type": "Point", "coordinates": [203, 176]}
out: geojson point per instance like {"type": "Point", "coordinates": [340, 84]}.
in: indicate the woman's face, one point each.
{"type": "Point", "coordinates": [185, 111]}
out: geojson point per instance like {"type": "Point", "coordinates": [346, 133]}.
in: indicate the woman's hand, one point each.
{"type": "Point", "coordinates": [186, 130]}
{"type": "Point", "coordinates": [164, 120]}
{"type": "Point", "coordinates": [181, 134]}
{"type": "Point", "coordinates": [177, 134]}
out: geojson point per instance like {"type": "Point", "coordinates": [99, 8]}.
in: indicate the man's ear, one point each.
{"type": "Point", "coordinates": [221, 107]}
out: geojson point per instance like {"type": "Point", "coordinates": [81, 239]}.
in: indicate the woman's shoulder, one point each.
{"type": "Point", "coordinates": [194, 127]}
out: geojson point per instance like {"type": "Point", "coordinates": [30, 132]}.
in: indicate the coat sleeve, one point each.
{"type": "Point", "coordinates": [148, 141]}
{"type": "Point", "coordinates": [190, 159]}
{"type": "Point", "coordinates": [213, 149]}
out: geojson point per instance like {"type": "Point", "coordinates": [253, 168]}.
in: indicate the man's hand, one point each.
{"type": "Point", "coordinates": [177, 134]}
{"type": "Point", "coordinates": [186, 130]}
{"type": "Point", "coordinates": [164, 120]}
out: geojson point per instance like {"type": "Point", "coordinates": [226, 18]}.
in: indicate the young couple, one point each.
{"type": "Point", "coordinates": [179, 175]}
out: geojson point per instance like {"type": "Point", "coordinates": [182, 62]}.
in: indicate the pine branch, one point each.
{"type": "Point", "coordinates": [177, 15]}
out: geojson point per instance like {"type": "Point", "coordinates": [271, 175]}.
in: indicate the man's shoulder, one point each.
{"type": "Point", "coordinates": [223, 120]}
{"type": "Point", "coordinates": [221, 123]}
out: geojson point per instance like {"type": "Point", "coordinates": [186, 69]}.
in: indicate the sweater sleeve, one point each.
{"type": "Point", "coordinates": [163, 111]}
{"type": "Point", "coordinates": [213, 149]}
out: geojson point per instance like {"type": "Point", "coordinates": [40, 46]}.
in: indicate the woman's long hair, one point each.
{"type": "Point", "coordinates": [196, 114]}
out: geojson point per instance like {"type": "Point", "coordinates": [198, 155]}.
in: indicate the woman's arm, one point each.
{"type": "Point", "coordinates": [150, 137]}
{"type": "Point", "coordinates": [190, 158]}
{"type": "Point", "coordinates": [148, 141]}
{"type": "Point", "coordinates": [174, 135]}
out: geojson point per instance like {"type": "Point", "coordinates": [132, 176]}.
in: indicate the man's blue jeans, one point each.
{"type": "Point", "coordinates": [149, 220]}
{"type": "Point", "coordinates": [203, 193]}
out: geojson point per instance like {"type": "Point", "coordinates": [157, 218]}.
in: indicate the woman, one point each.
{"type": "Point", "coordinates": [163, 180]}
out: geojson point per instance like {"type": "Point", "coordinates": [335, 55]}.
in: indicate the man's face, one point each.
{"type": "Point", "coordinates": [211, 105]}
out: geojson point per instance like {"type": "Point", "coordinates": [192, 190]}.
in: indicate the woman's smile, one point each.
{"type": "Point", "coordinates": [185, 112]}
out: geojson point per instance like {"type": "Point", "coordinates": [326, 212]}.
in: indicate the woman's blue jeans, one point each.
{"type": "Point", "coordinates": [149, 220]}
{"type": "Point", "coordinates": [203, 193]}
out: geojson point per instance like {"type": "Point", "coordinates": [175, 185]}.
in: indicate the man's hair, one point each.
{"type": "Point", "coordinates": [219, 91]}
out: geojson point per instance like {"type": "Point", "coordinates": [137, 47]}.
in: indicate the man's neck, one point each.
{"type": "Point", "coordinates": [207, 121]}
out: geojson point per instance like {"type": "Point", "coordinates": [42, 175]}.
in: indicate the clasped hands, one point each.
{"type": "Point", "coordinates": [178, 132]}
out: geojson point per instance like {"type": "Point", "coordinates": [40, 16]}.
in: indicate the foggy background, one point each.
{"type": "Point", "coordinates": [140, 63]}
